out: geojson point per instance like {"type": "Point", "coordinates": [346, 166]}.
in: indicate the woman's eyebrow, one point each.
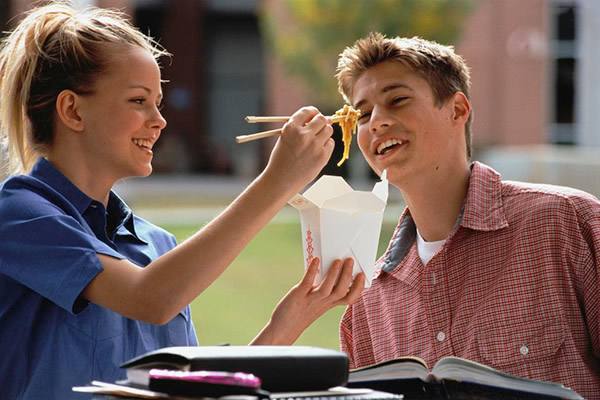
{"type": "Point", "coordinates": [140, 87]}
{"type": "Point", "coordinates": [160, 95]}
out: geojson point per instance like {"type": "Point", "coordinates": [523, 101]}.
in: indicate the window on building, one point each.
{"type": "Point", "coordinates": [234, 81]}
{"type": "Point", "coordinates": [4, 13]}
{"type": "Point", "coordinates": [563, 77]}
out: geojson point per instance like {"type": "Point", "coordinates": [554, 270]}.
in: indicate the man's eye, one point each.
{"type": "Point", "coordinates": [398, 100]}
{"type": "Point", "coordinates": [364, 116]}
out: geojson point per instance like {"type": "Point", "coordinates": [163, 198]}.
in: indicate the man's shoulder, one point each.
{"type": "Point", "coordinates": [548, 196]}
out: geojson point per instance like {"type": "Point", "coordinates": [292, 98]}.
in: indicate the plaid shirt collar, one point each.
{"type": "Point", "coordinates": [482, 210]}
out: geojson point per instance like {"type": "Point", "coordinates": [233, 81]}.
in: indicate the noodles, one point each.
{"type": "Point", "coordinates": [348, 120]}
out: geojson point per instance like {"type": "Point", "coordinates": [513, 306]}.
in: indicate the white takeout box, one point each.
{"type": "Point", "coordinates": [339, 222]}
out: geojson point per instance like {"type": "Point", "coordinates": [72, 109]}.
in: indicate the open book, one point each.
{"type": "Point", "coordinates": [453, 378]}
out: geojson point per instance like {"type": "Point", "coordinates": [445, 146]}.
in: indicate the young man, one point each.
{"type": "Point", "coordinates": [503, 273]}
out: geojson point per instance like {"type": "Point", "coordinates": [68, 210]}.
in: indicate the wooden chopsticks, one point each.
{"type": "Point", "coordinates": [251, 119]}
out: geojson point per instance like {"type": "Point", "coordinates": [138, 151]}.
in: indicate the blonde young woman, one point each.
{"type": "Point", "coordinates": [85, 284]}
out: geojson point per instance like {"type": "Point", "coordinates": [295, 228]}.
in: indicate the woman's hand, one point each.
{"type": "Point", "coordinates": [302, 150]}
{"type": "Point", "coordinates": [306, 302]}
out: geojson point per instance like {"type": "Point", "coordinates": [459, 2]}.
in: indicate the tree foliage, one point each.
{"type": "Point", "coordinates": [314, 32]}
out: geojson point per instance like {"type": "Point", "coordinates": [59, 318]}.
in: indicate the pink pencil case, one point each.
{"type": "Point", "coordinates": [210, 377]}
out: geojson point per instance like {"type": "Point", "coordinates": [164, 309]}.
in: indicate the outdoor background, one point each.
{"type": "Point", "coordinates": [536, 98]}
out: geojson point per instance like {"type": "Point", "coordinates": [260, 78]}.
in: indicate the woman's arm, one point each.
{"type": "Point", "coordinates": [306, 302]}
{"type": "Point", "coordinates": [157, 292]}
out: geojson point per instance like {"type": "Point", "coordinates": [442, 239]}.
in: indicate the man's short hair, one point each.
{"type": "Point", "coordinates": [445, 71]}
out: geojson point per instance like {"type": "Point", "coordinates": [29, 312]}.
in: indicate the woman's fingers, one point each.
{"type": "Point", "coordinates": [344, 279]}
{"type": "Point", "coordinates": [355, 289]}
{"type": "Point", "coordinates": [321, 128]}
{"type": "Point", "coordinates": [331, 278]}
{"type": "Point", "coordinates": [308, 280]}
{"type": "Point", "coordinates": [302, 116]}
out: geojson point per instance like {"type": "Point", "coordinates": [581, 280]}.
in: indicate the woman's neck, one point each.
{"type": "Point", "coordinates": [82, 174]}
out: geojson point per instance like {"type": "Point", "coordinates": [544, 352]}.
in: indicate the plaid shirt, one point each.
{"type": "Point", "coordinates": [515, 286]}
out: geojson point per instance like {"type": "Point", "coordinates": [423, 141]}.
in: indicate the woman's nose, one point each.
{"type": "Point", "coordinates": [158, 121]}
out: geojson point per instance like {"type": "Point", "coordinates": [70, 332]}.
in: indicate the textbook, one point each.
{"type": "Point", "coordinates": [280, 368]}
{"type": "Point", "coordinates": [453, 378]}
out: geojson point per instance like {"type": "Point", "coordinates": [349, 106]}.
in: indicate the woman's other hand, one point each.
{"type": "Point", "coordinates": [306, 302]}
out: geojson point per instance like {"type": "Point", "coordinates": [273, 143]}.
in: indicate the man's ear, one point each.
{"type": "Point", "coordinates": [461, 108]}
{"type": "Point", "coordinates": [68, 110]}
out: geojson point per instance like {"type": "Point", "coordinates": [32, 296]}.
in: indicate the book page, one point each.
{"type": "Point", "coordinates": [401, 368]}
{"type": "Point", "coordinates": [462, 370]}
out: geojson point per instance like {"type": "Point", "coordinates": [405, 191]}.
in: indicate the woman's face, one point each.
{"type": "Point", "coordinates": [122, 120]}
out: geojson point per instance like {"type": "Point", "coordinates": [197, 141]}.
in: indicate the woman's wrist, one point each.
{"type": "Point", "coordinates": [274, 336]}
{"type": "Point", "coordinates": [278, 185]}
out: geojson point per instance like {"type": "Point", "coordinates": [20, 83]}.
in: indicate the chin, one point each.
{"type": "Point", "coordinates": [141, 171]}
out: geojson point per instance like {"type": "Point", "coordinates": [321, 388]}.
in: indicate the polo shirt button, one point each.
{"type": "Point", "coordinates": [524, 350]}
{"type": "Point", "coordinates": [441, 336]}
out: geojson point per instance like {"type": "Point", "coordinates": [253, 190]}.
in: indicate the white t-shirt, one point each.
{"type": "Point", "coordinates": [427, 250]}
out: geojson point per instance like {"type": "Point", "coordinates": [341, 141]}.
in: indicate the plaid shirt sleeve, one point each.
{"type": "Point", "coordinates": [588, 214]}
{"type": "Point", "coordinates": [346, 335]}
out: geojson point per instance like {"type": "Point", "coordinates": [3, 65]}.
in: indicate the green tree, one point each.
{"type": "Point", "coordinates": [314, 32]}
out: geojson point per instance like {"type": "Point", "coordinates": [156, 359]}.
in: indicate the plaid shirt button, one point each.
{"type": "Point", "coordinates": [441, 336]}
{"type": "Point", "coordinates": [524, 350]}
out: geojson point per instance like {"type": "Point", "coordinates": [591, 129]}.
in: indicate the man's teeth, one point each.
{"type": "Point", "coordinates": [388, 143]}
{"type": "Point", "coordinates": [143, 143]}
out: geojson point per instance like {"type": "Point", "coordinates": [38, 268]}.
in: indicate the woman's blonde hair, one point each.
{"type": "Point", "coordinates": [54, 48]}
{"type": "Point", "coordinates": [444, 70]}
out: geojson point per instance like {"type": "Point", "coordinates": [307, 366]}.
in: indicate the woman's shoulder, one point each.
{"type": "Point", "coordinates": [24, 195]}
{"type": "Point", "coordinates": [148, 231]}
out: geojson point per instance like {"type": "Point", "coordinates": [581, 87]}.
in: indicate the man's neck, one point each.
{"type": "Point", "coordinates": [435, 202]}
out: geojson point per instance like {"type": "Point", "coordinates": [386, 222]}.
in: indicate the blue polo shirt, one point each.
{"type": "Point", "coordinates": [50, 338]}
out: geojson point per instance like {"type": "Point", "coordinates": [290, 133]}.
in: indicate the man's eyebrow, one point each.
{"type": "Point", "coordinates": [384, 90]}
{"type": "Point", "coordinates": [396, 86]}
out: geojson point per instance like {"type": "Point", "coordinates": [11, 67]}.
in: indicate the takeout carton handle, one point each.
{"type": "Point", "coordinates": [300, 202]}
{"type": "Point", "coordinates": [381, 188]}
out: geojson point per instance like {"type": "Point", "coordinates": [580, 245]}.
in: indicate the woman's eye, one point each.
{"type": "Point", "coordinates": [138, 101]}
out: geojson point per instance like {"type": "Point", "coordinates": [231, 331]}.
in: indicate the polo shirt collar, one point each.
{"type": "Point", "coordinates": [46, 172]}
{"type": "Point", "coordinates": [482, 210]}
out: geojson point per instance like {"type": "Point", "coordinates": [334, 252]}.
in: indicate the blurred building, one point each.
{"type": "Point", "coordinates": [533, 62]}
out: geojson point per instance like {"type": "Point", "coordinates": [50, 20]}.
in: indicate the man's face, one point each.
{"type": "Point", "coordinates": [400, 128]}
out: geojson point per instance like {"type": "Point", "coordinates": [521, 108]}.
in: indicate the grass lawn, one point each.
{"type": "Point", "coordinates": [240, 302]}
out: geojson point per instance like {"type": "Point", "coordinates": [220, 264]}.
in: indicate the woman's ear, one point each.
{"type": "Point", "coordinates": [461, 108]}
{"type": "Point", "coordinates": [68, 110]}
